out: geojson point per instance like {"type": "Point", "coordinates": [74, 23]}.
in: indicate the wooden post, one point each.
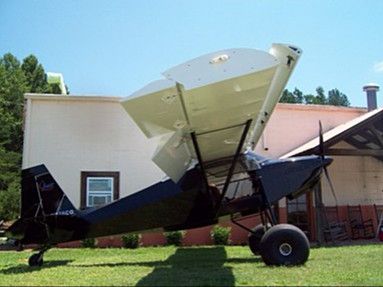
{"type": "Point", "coordinates": [318, 213]}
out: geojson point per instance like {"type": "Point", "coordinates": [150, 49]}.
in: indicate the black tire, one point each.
{"type": "Point", "coordinates": [36, 260]}
{"type": "Point", "coordinates": [284, 244]}
{"type": "Point", "coordinates": [255, 237]}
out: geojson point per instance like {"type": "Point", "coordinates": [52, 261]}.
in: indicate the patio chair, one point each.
{"type": "Point", "coordinates": [360, 227]}
{"type": "Point", "coordinates": [378, 212]}
{"type": "Point", "coordinates": [335, 229]}
{"type": "Point", "coordinates": [379, 216]}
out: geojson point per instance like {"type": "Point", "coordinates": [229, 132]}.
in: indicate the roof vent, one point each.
{"type": "Point", "coordinates": [371, 90]}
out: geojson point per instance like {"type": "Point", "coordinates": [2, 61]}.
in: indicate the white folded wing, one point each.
{"type": "Point", "coordinates": [208, 95]}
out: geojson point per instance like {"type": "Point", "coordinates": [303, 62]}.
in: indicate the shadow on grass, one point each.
{"type": "Point", "coordinates": [187, 266]}
{"type": "Point", "coordinates": [192, 266]}
{"type": "Point", "coordinates": [24, 268]}
{"type": "Point", "coordinates": [156, 264]}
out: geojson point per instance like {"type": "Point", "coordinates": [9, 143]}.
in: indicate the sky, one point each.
{"type": "Point", "coordinates": [115, 47]}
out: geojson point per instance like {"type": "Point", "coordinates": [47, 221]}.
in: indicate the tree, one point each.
{"type": "Point", "coordinates": [13, 85]}
{"type": "Point", "coordinates": [298, 94]}
{"type": "Point", "coordinates": [320, 98]}
{"type": "Point", "coordinates": [309, 99]}
{"type": "Point", "coordinates": [334, 97]}
{"type": "Point", "coordinates": [295, 97]}
{"type": "Point", "coordinates": [287, 97]}
{"type": "Point", "coordinates": [35, 75]}
{"type": "Point", "coordinates": [9, 183]}
{"type": "Point", "coordinates": [337, 98]}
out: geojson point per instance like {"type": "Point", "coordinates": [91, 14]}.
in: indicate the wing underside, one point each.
{"type": "Point", "coordinates": [212, 96]}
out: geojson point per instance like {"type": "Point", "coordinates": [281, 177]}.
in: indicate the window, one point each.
{"type": "Point", "coordinates": [98, 188]}
{"type": "Point", "coordinates": [299, 213]}
{"type": "Point", "coordinates": [99, 191]}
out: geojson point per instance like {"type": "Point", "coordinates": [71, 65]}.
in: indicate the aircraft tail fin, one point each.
{"type": "Point", "coordinates": [41, 195]}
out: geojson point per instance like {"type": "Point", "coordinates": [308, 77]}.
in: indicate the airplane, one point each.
{"type": "Point", "coordinates": [207, 116]}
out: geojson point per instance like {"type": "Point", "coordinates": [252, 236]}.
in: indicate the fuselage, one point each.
{"type": "Point", "coordinates": [189, 203]}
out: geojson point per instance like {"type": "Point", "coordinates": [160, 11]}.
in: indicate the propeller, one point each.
{"type": "Point", "coordinates": [324, 167]}
{"type": "Point", "coordinates": [321, 143]}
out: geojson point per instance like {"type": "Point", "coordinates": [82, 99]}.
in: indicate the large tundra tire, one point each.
{"type": "Point", "coordinates": [284, 244]}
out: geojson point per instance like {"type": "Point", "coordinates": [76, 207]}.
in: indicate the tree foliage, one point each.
{"type": "Point", "coordinates": [295, 97]}
{"type": "Point", "coordinates": [35, 75]}
{"type": "Point", "coordinates": [16, 79]}
{"type": "Point", "coordinates": [12, 87]}
{"type": "Point", "coordinates": [337, 98]}
{"type": "Point", "coordinates": [334, 97]}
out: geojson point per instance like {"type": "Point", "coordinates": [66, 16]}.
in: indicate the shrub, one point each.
{"type": "Point", "coordinates": [131, 240]}
{"type": "Point", "coordinates": [88, 243]}
{"type": "Point", "coordinates": [220, 235]}
{"type": "Point", "coordinates": [174, 237]}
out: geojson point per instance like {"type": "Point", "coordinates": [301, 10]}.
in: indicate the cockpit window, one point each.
{"type": "Point", "coordinates": [254, 156]}
{"type": "Point", "coordinates": [259, 157]}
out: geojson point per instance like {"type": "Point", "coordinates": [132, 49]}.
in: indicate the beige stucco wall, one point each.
{"type": "Point", "coordinates": [74, 134]}
{"type": "Point", "coordinates": [70, 134]}
{"type": "Point", "coordinates": [292, 125]}
{"type": "Point", "coordinates": [356, 180]}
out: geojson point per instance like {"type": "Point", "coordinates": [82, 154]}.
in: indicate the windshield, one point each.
{"type": "Point", "coordinates": [253, 160]}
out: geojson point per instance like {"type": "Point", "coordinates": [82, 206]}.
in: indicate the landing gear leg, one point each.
{"type": "Point", "coordinates": [37, 258]}
{"type": "Point", "coordinates": [255, 235]}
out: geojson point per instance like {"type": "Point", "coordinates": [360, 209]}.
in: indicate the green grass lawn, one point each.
{"type": "Point", "coordinates": [199, 266]}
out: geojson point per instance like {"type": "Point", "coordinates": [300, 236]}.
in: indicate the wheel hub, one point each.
{"type": "Point", "coordinates": [285, 249]}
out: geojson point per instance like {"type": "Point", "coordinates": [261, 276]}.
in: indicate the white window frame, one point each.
{"type": "Point", "coordinates": [88, 178]}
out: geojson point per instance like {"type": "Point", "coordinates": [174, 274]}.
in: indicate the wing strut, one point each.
{"type": "Point", "coordinates": [193, 135]}
{"type": "Point", "coordinates": [199, 157]}
{"type": "Point", "coordinates": [233, 164]}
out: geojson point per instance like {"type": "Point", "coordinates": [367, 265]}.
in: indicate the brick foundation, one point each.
{"type": "Point", "coordinates": [201, 236]}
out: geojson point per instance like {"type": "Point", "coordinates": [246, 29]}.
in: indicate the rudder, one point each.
{"type": "Point", "coordinates": [41, 195]}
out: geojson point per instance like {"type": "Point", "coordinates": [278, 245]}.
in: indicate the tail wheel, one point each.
{"type": "Point", "coordinates": [36, 260]}
{"type": "Point", "coordinates": [255, 237]}
{"type": "Point", "coordinates": [284, 244]}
